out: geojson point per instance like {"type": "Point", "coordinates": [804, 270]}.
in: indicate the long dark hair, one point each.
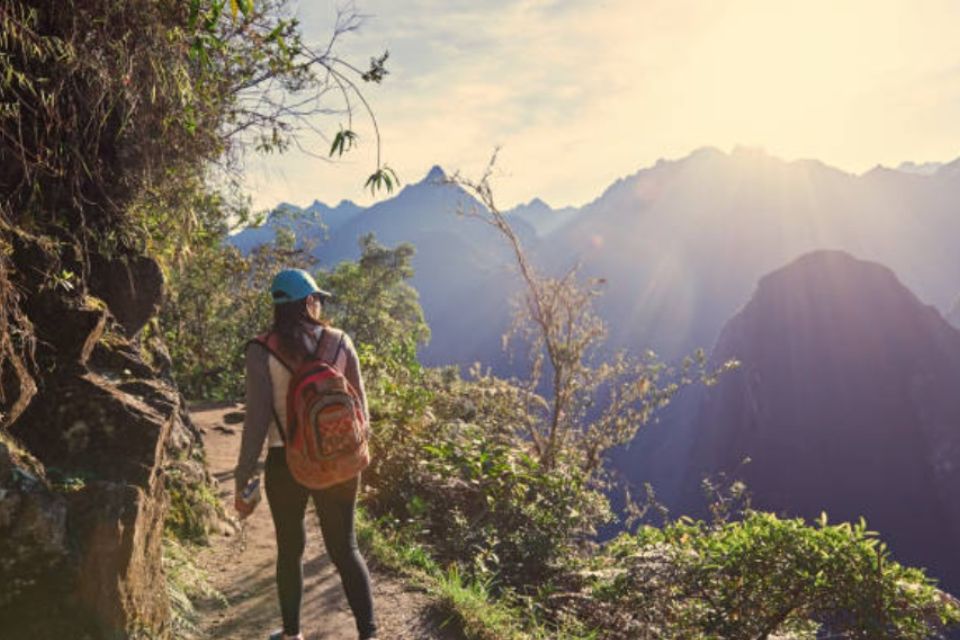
{"type": "Point", "coordinates": [290, 322]}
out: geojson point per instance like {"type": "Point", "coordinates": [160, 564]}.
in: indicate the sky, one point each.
{"type": "Point", "coordinates": [578, 93]}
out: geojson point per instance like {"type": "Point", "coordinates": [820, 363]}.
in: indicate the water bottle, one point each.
{"type": "Point", "coordinates": [250, 495]}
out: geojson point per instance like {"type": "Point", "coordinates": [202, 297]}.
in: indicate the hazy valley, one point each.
{"type": "Point", "coordinates": [693, 253]}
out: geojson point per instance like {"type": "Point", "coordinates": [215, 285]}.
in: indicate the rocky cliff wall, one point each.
{"type": "Point", "coordinates": [84, 462]}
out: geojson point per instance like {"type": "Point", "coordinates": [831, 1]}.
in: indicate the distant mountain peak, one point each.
{"type": "Point", "coordinates": [919, 168]}
{"type": "Point", "coordinates": [698, 154]}
{"type": "Point", "coordinates": [706, 152]}
{"type": "Point", "coordinates": [750, 151]}
{"type": "Point", "coordinates": [538, 204]}
{"type": "Point", "coordinates": [822, 265]}
{"type": "Point", "coordinates": [845, 396]}
{"type": "Point", "coordinates": [436, 174]}
{"type": "Point", "coordinates": [879, 170]}
{"type": "Point", "coordinates": [345, 204]}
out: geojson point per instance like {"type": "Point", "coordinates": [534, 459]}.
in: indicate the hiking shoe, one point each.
{"type": "Point", "coordinates": [279, 635]}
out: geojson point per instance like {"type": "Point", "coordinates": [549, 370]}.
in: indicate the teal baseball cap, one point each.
{"type": "Point", "coordinates": [291, 285]}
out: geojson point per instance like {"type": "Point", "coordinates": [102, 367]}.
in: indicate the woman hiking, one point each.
{"type": "Point", "coordinates": [299, 338]}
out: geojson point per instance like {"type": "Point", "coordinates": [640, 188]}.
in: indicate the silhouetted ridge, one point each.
{"type": "Point", "coordinates": [953, 316]}
{"type": "Point", "coordinates": [846, 402]}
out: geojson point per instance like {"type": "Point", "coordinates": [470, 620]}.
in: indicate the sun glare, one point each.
{"type": "Point", "coordinates": [786, 73]}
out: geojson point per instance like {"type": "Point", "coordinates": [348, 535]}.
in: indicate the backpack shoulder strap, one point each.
{"type": "Point", "coordinates": [261, 339]}
{"type": "Point", "coordinates": [271, 342]}
{"type": "Point", "coordinates": [330, 347]}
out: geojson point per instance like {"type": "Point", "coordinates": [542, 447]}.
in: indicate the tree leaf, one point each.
{"type": "Point", "coordinates": [194, 14]}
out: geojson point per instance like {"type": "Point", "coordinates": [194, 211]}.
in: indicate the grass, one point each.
{"type": "Point", "coordinates": [477, 612]}
{"type": "Point", "coordinates": [186, 582]}
{"type": "Point", "coordinates": [469, 605]}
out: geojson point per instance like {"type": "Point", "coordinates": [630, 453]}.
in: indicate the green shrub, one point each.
{"type": "Point", "coordinates": [372, 297]}
{"type": "Point", "coordinates": [467, 604]}
{"type": "Point", "coordinates": [451, 469]}
{"type": "Point", "coordinates": [216, 302]}
{"type": "Point", "coordinates": [491, 504]}
{"type": "Point", "coordinates": [759, 576]}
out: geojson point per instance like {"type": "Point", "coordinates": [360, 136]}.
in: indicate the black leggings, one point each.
{"type": "Point", "coordinates": [336, 507]}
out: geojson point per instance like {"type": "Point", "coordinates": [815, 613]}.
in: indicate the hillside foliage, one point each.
{"type": "Point", "coordinates": [120, 123]}
{"type": "Point", "coordinates": [757, 576]}
{"type": "Point", "coordinates": [123, 124]}
{"type": "Point", "coordinates": [458, 488]}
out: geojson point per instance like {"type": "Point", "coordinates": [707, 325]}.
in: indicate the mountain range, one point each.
{"type": "Point", "coordinates": [682, 246]}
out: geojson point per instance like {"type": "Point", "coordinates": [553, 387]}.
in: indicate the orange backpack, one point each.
{"type": "Point", "coordinates": [325, 435]}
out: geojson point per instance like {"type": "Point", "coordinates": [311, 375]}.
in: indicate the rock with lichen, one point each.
{"type": "Point", "coordinates": [88, 467]}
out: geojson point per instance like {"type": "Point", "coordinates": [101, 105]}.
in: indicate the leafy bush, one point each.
{"type": "Point", "coordinates": [215, 303]}
{"type": "Point", "coordinates": [455, 476]}
{"type": "Point", "coordinates": [759, 576]}
{"type": "Point", "coordinates": [372, 298]}
{"type": "Point", "coordinates": [469, 605]}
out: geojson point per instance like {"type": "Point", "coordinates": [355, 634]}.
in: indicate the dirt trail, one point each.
{"type": "Point", "coordinates": [246, 577]}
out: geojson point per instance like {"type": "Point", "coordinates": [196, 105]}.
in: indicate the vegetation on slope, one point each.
{"type": "Point", "coordinates": [117, 120]}
{"type": "Point", "coordinates": [461, 501]}
{"type": "Point", "coordinates": [121, 126]}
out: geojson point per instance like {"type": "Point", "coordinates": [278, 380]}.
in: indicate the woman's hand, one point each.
{"type": "Point", "coordinates": [248, 499]}
{"type": "Point", "coordinates": [244, 509]}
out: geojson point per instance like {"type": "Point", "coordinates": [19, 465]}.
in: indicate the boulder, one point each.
{"type": "Point", "coordinates": [67, 329]}
{"type": "Point", "coordinates": [119, 580]}
{"type": "Point", "coordinates": [85, 425]}
{"type": "Point", "coordinates": [101, 435]}
{"type": "Point", "coordinates": [33, 528]}
{"type": "Point", "coordinates": [132, 287]}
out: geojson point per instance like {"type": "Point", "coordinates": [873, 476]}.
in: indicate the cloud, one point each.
{"type": "Point", "coordinates": [579, 93]}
